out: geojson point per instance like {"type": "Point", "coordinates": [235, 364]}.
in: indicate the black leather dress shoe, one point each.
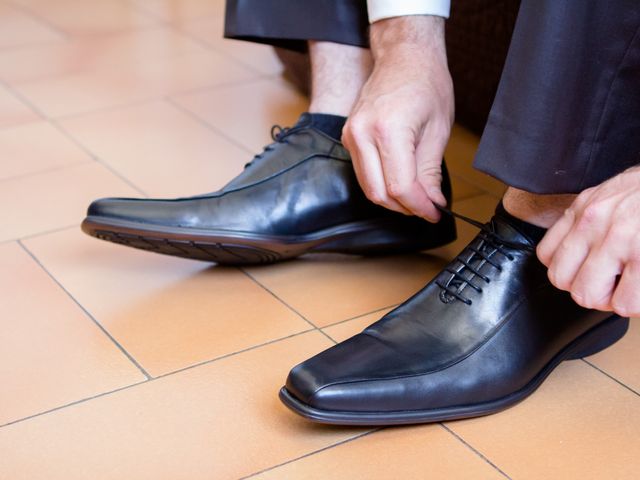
{"type": "Point", "coordinates": [480, 337]}
{"type": "Point", "coordinates": [300, 195]}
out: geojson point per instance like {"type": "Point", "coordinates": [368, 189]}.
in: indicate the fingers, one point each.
{"type": "Point", "coordinates": [626, 299]}
{"type": "Point", "coordinates": [399, 167]}
{"type": "Point", "coordinates": [368, 169]}
{"type": "Point", "coordinates": [429, 154]}
{"type": "Point", "coordinates": [555, 235]}
{"type": "Point", "coordinates": [595, 282]}
{"type": "Point", "coordinates": [567, 260]}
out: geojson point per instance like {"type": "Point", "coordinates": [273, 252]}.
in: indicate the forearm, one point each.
{"type": "Point", "coordinates": [413, 36]}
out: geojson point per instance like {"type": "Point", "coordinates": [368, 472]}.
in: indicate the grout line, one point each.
{"type": "Point", "coordinates": [339, 322]}
{"type": "Point", "coordinates": [158, 377]}
{"type": "Point", "coordinates": [287, 305]}
{"type": "Point", "coordinates": [207, 125]}
{"type": "Point", "coordinates": [328, 447]}
{"type": "Point", "coordinates": [70, 137]}
{"type": "Point", "coordinates": [38, 234]}
{"type": "Point", "coordinates": [232, 354]}
{"type": "Point", "coordinates": [98, 324]}
{"type": "Point", "coordinates": [97, 159]}
{"type": "Point", "coordinates": [477, 452]}
{"type": "Point", "coordinates": [180, 30]}
{"type": "Point", "coordinates": [46, 171]}
{"type": "Point", "coordinates": [41, 20]}
{"type": "Point", "coordinates": [611, 377]}
{"type": "Point", "coordinates": [223, 85]}
{"type": "Point", "coordinates": [77, 402]}
{"type": "Point", "coordinates": [108, 108]}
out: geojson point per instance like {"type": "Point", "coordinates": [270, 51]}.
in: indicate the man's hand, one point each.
{"type": "Point", "coordinates": [593, 251]}
{"type": "Point", "coordinates": [401, 123]}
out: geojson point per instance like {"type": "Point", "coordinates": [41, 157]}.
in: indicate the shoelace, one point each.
{"type": "Point", "coordinates": [490, 243]}
{"type": "Point", "coordinates": [278, 135]}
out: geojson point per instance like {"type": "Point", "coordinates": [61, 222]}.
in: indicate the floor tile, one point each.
{"type": "Point", "coordinates": [459, 156]}
{"type": "Point", "coordinates": [221, 420]}
{"type": "Point", "coordinates": [344, 330]}
{"type": "Point", "coordinates": [257, 56]}
{"type": "Point", "coordinates": [79, 17]}
{"type": "Point", "coordinates": [329, 288]}
{"type": "Point", "coordinates": [51, 353]}
{"type": "Point", "coordinates": [18, 29]}
{"type": "Point", "coordinates": [118, 51]}
{"type": "Point", "coordinates": [46, 201]}
{"type": "Point", "coordinates": [13, 112]}
{"type": "Point", "coordinates": [578, 425]}
{"type": "Point", "coordinates": [622, 360]}
{"type": "Point", "coordinates": [155, 78]}
{"type": "Point", "coordinates": [164, 151]}
{"type": "Point", "coordinates": [268, 102]}
{"type": "Point", "coordinates": [463, 189]}
{"type": "Point", "coordinates": [181, 10]}
{"type": "Point", "coordinates": [408, 452]}
{"type": "Point", "coordinates": [169, 313]}
{"type": "Point", "coordinates": [22, 155]}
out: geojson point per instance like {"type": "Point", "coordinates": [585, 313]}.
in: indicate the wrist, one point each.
{"type": "Point", "coordinates": [415, 36]}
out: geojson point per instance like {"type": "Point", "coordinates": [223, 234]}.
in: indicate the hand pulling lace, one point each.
{"type": "Point", "coordinates": [451, 290]}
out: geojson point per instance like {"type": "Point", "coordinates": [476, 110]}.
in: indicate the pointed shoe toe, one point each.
{"type": "Point", "coordinates": [480, 337]}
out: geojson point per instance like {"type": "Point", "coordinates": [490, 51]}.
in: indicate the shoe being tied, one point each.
{"type": "Point", "coordinates": [480, 337]}
{"type": "Point", "coordinates": [299, 196]}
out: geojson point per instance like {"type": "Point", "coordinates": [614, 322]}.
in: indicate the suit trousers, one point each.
{"type": "Point", "coordinates": [558, 80]}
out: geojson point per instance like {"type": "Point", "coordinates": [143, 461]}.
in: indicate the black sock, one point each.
{"type": "Point", "coordinates": [328, 124]}
{"type": "Point", "coordinates": [533, 232]}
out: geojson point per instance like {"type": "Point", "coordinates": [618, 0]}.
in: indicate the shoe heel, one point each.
{"type": "Point", "coordinates": [601, 337]}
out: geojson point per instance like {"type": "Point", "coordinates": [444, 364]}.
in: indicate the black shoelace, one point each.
{"type": "Point", "coordinates": [278, 135]}
{"type": "Point", "coordinates": [490, 244]}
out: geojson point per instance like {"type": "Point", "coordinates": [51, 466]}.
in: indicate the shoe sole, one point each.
{"type": "Point", "coordinates": [598, 338]}
{"type": "Point", "coordinates": [242, 248]}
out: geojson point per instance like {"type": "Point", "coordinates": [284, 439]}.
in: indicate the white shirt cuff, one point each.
{"type": "Point", "coordinates": [380, 9]}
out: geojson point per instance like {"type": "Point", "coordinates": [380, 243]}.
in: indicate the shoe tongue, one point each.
{"type": "Point", "coordinates": [515, 230]}
{"type": "Point", "coordinates": [305, 120]}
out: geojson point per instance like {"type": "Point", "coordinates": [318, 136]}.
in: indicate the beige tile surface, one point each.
{"type": "Point", "coordinates": [13, 111]}
{"type": "Point", "coordinates": [459, 155]}
{"type": "Point", "coordinates": [52, 353]}
{"type": "Point", "coordinates": [21, 155]}
{"type": "Point", "coordinates": [622, 359]}
{"type": "Point", "coordinates": [579, 424]}
{"type": "Point", "coordinates": [169, 313]}
{"type": "Point", "coordinates": [222, 420]}
{"type": "Point", "coordinates": [408, 452]}
{"type": "Point", "coordinates": [269, 102]}
{"type": "Point", "coordinates": [132, 82]}
{"type": "Point", "coordinates": [79, 17]}
{"type": "Point", "coordinates": [55, 199]}
{"type": "Point", "coordinates": [162, 149]}
{"type": "Point", "coordinates": [211, 30]}
{"type": "Point", "coordinates": [102, 53]}
{"type": "Point", "coordinates": [179, 11]}
{"type": "Point", "coordinates": [18, 28]}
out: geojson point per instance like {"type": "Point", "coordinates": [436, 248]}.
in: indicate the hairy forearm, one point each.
{"type": "Point", "coordinates": [415, 35]}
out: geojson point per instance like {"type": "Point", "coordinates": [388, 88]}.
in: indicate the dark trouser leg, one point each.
{"type": "Point", "coordinates": [567, 112]}
{"type": "Point", "coordinates": [290, 23]}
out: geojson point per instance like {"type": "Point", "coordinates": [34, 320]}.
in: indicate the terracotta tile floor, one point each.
{"type": "Point", "coordinates": [118, 363]}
